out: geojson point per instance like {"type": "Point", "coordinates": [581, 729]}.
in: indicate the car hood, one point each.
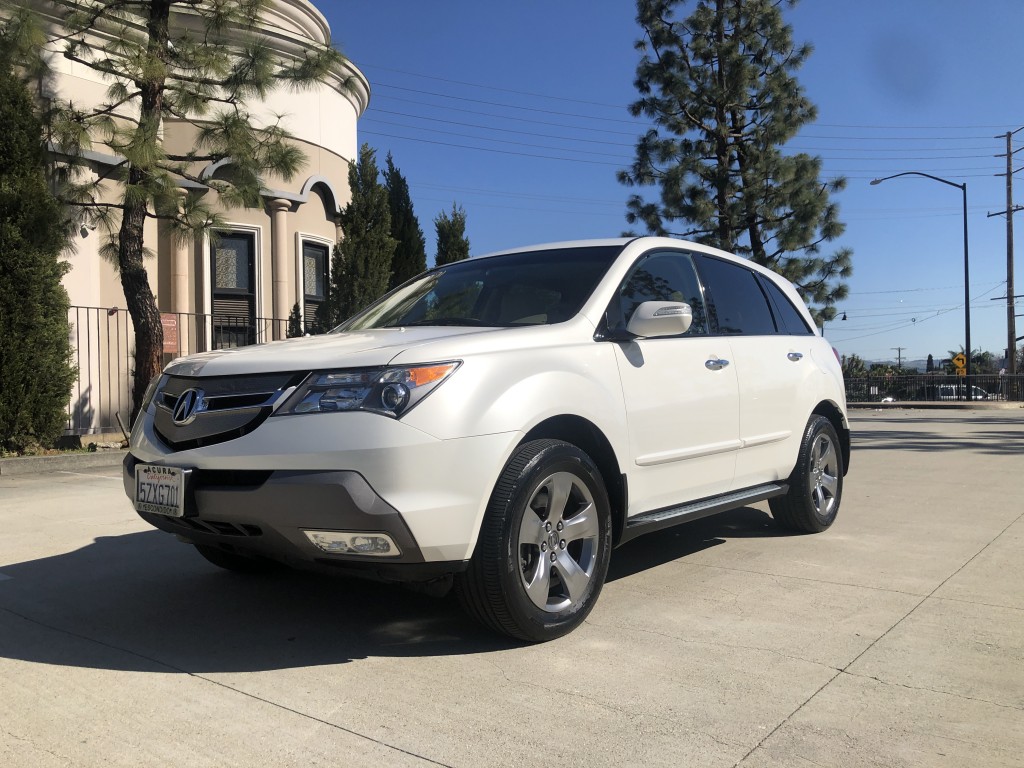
{"type": "Point", "coordinates": [333, 350]}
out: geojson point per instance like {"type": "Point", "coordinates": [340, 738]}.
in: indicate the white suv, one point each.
{"type": "Point", "coordinates": [502, 423]}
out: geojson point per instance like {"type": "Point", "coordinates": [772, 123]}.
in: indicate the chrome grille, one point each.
{"type": "Point", "coordinates": [218, 408]}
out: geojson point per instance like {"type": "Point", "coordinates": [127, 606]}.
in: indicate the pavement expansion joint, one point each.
{"type": "Point", "coordinates": [788, 717]}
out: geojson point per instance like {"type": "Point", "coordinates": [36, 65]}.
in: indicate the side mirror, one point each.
{"type": "Point", "coordinates": [654, 319]}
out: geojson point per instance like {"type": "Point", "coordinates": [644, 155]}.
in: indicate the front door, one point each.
{"type": "Point", "coordinates": [681, 392]}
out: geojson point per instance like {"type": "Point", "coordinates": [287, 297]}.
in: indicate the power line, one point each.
{"type": "Point", "coordinates": [492, 149]}
{"type": "Point", "coordinates": [563, 98]}
{"type": "Point", "coordinates": [506, 117]}
{"type": "Point", "coordinates": [631, 144]}
{"type": "Point", "coordinates": [507, 106]}
{"type": "Point", "coordinates": [508, 141]}
{"type": "Point", "coordinates": [498, 89]}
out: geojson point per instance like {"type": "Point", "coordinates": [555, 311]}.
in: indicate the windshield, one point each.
{"type": "Point", "coordinates": [527, 288]}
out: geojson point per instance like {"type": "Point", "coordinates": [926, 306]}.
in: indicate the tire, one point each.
{"type": "Point", "coordinates": [816, 485]}
{"type": "Point", "coordinates": [232, 561]}
{"type": "Point", "coordinates": [529, 578]}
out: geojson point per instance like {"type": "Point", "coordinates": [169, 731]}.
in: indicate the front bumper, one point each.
{"type": "Point", "coordinates": [265, 514]}
{"type": "Point", "coordinates": [257, 494]}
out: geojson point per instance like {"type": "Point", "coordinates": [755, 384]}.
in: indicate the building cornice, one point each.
{"type": "Point", "coordinates": [289, 27]}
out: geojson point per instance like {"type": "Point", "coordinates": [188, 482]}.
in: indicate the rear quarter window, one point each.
{"type": "Point", "coordinates": [788, 317]}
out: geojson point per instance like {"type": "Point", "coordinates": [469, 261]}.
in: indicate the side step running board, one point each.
{"type": "Point", "coordinates": [664, 518]}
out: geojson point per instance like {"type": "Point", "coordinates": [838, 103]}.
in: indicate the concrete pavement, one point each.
{"type": "Point", "coordinates": [894, 639]}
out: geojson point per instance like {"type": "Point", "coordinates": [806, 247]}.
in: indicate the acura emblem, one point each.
{"type": "Point", "coordinates": [188, 404]}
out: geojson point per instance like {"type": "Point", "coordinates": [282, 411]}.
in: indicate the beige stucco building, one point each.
{"type": "Point", "coordinates": [239, 287]}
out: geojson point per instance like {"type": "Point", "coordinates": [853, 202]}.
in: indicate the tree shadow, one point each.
{"type": "Point", "coordinates": [83, 413]}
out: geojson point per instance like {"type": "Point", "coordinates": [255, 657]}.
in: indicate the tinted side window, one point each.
{"type": "Point", "coordinates": [735, 299]}
{"type": "Point", "coordinates": [789, 318]}
{"type": "Point", "coordinates": [662, 276]}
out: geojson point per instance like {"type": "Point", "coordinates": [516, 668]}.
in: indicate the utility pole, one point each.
{"type": "Point", "coordinates": [899, 356]}
{"type": "Point", "coordinates": [1011, 323]}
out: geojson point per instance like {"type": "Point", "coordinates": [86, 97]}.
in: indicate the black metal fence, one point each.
{"type": "Point", "coordinates": [934, 388]}
{"type": "Point", "coordinates": [102, 346]}
{"type": "Point", "coordinates": [104, 354]}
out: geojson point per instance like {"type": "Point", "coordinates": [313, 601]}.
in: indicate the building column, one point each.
{"type": "Point", "coordinates": [181, 285]}
{"type": "Point", "coordinates": [181, 255]}
{"type": "Point", "coordinates": [283, 298]}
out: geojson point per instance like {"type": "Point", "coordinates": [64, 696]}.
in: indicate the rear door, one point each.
{"type": "Point", "coordinates": [680, 392]}
{"type": "Point", "coordinates": [773, 366]}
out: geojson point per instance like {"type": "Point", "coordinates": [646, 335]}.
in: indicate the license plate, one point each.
{"type": "Point", "coordinates": [160, 490]}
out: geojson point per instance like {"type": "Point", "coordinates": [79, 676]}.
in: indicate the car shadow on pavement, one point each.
{"type": "Point", "coordinates": [144, 602]}
{"type": "Point", "coordinates": [156, 600]}
{"type": "Point", "coordinates": [671, 544]}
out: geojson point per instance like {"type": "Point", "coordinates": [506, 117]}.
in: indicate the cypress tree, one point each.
{"type": "Point", "coordinates": [452, 243]}
{"type": "Point", "coordinates": [35, 369]}
{"type": "Point", "coordinates": [361, 263]}
{"type": "Point", "coordinates": [411, 249]}
{"type": "Point", "coordinates": [720, 89]}
{"type": "Point", "coordinates": [295, 328]}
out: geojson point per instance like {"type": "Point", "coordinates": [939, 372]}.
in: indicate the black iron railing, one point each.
{"type": "Point", "coordinates": [934, 388]}
{"type": "Point", "coordinates": [103, 342]}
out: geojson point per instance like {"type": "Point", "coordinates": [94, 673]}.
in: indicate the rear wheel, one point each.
{"type": "Point", "coordinates": [816, 485]}
{"type": "Point", "coordinates": [232, 561]}
{"type": "Point", "coordinates": [543, 550]}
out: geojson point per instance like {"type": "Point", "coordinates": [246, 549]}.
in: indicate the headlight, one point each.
{"type": "Point", "coordinates": [389, 391]}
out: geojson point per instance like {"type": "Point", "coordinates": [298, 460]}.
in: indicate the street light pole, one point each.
{"type": "Point", "coordinates": [967, 269]}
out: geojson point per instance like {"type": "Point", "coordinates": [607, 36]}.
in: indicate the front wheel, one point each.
{"type": "Point", "coordinates": [816, 485]}
{"type": "Point", "coordinates": [543, 550]}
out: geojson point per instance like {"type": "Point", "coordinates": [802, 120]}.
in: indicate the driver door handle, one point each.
{"type": "Point", "coordinates": [716, 364]}
{"type": "Point", "coordinates": [795, 357]}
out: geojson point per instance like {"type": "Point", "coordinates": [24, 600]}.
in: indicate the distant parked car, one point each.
{"type": "Point", "coordinates": [951, 392]}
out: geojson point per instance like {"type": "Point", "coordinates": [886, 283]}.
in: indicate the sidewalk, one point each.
{"type": "Point", "coordinates": [32, 465]}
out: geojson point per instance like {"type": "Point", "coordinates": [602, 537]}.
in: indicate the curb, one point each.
{"type": "Point", "coordinates": [33, 465]}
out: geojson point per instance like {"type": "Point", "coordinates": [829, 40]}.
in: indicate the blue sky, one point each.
{"type": "Point", "coordinates": [517, 111]}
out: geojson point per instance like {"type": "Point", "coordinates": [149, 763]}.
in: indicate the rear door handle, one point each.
{"type": "Point", "coordinates": [716, 365]}
{"type": "Point", "coordinates": [795, 357]}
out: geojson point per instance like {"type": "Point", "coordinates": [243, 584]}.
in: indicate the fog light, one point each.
{"type": "Point", "coordinates": [354, 543]}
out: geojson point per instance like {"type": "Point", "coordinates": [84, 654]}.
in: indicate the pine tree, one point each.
{"type": "Point", "coordinates": [411, 249]}
{"type": "Point", "coordinates": [720, 88]}
{"type": "Point", "coordinates": [35, 370]}
{"type": "Point", "coordinates": [361, 264]}
{"type": "Point", "coordinates": [202, 67]}
{"type": "Point", "coordinates": [452, 243]}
